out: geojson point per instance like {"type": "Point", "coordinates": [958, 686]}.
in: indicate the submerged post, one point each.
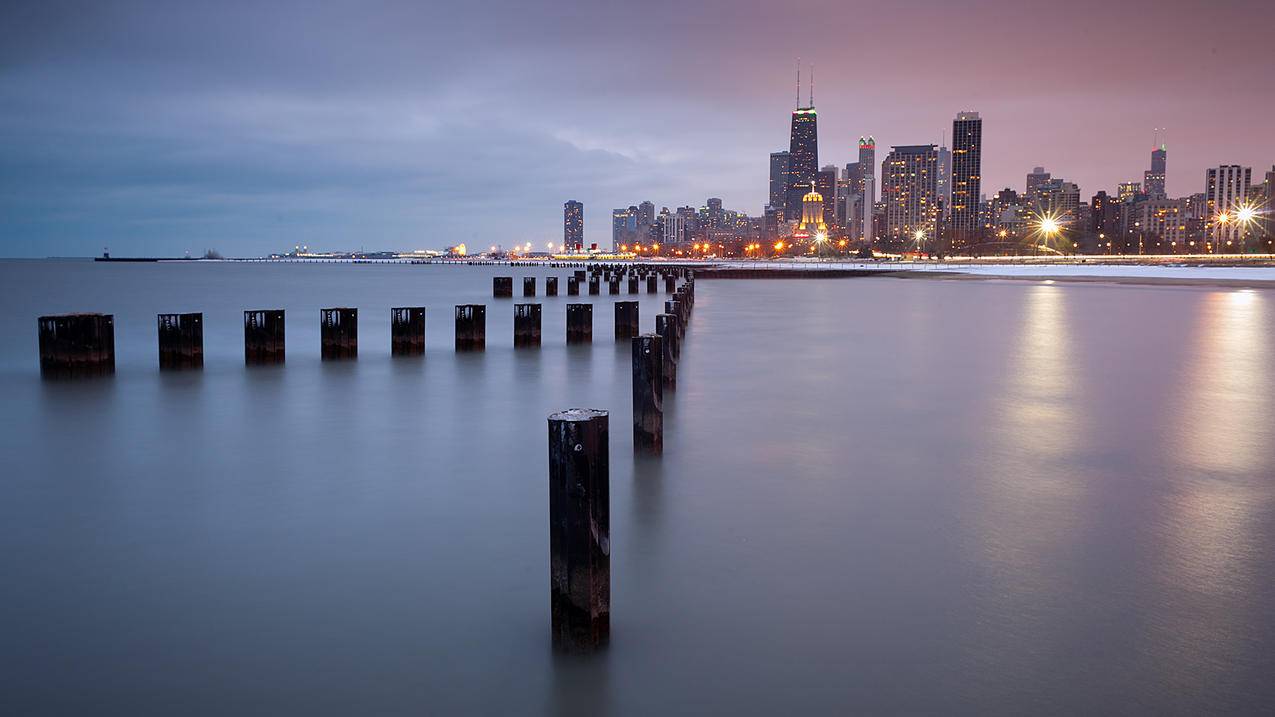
{"type": "Point", "coordinates": [579, 530]}
{"type": "Point", "coordinates": [593, 285]}
{"type": "Point", "coordinates": [579, 323]}
{"type": "Point", "coordinates": [626, 319]}
{"type": "Point", "coordinates": [633, 284]}
{"type": "Point", "coordinates": [670, 283]}
{"type": "Point", "coordinates": [579, 274]}
{"type": "Point", "coordinates": [77, 345]}
{"type": "Point", "coordinates": [528, 286]}
{"type": "Point", "coordinates": [666, 327]}
{"type": "Point", "coordinates": [263, 336]}
{"type": "Point", "coordinates": [526, 325]}
{"type": "Point", "coordinates": [407, 331]}
{"type": "Point", "coordinates": [613, 285]}
{"type": "Point", "coordinates": [652, 284]}
{"type": "Point", "coordinates": [339, 333]}
{"type": "Point", "coordinates": [181, 341]}
{"type": "Point", "coordinates": [502, 286]}
{"type": "Point", "coordinates": [648, 394]}
{"type": "Point", "coordinates": [551, 286]}
{"type": "Point", "coordinates": [573, 286]}
{"type": "Point", "coordinates": [471, 327]}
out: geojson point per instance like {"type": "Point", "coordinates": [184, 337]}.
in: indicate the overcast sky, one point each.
{"type": "Point", "coordinates": [166, 127]}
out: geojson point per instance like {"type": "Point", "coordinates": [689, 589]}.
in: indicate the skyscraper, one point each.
{"type": "Point", "coordinates": [826, 186]}
{"type": "Point", "coordinates": [573, 225]}
{"type": "Point", "coordinates": [1225, 190]}
{"type": "Point", "coordinates": [623, 227]}
{"type": "Point", "coordinates": [1153, 179]}
{"type": "Point", "coordinates": [1035, 178]}
{"type": "Point", "coordinates": [909, 186]}
{"type": "Point", "coordinates": [868, 202]}
{"type": "Point", "coordinates": [803, 153]}
{"type": "Point", "coordinates": [778, 179]}
{"type": "Point", "coordinates": [967, 179]}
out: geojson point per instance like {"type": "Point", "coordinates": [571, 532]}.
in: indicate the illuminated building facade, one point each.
{"type": "Point", "coordinates": [812, 215]}
{"type": "Point", "coordinates": [573, 225]}
{"type": "Point", "coordinates": [967, 177]}
{"type": "Point", "coordinates": [1225, 190]}
{"type": "Point", "coordinates": [778, 179]}
{"type": "Point", "coordinates": [1153, 179]}
{"type": "Point", "coordinates": [909, 186]}
{"type": "Point", "coordinates": [803, 158]}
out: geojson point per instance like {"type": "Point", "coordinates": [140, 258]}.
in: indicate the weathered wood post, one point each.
{"type": "Point", "coordinates": [579, 530]}
{"type": "Point", "coordinates": [652, 284]}
{"type": "Point", "coordinates": [613, 285]}
{"type": "Point", "coordinates": [339, 333]}
{"type": "Point", "coordinates": [674, 307]}
{"type": "Point", "coordinates": [648, 394]}
{"type": "Point", "coordinates": [579, 323]}
{"type": "Point", "coordinates": [593, 285]}
{"type": "Point", "coordinates": [551, 286]}
{"type": "Point", "coordinates": [263, 336]}
{"type": "Point", "coordinates": [666, 327]}
{"type": "Point", "coordinates": [181, 341]}
{"type": "Point", "coordinates": [633, 284]}
{"type": "Point", "coordinates": [502, 286]}
{"type": "Point", "coordinates": [471, 327]}
{"type": "Point", "coordinates": [670, 283]}
{"type": "Point", "coordinates": [526, 325]}
{"type": "Point", "coordinates": [528, 286]}
{"type": "Point", "coordinates": [573, 286]}
{"type": "Point", "coordinates": [407, 331]}
{"type": "Point", "coordinates": [77, 345]}
{"type": "Point", "coordinates": [626, 319]}
{"type": "Point", "coordinates": [580, 275]}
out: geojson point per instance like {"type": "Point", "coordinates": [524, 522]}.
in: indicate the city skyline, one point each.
{"type": "Point", "coordinates": [131, 127]}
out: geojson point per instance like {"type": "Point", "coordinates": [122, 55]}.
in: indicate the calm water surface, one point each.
{"type": "Point", "coordinates": [877, 496]}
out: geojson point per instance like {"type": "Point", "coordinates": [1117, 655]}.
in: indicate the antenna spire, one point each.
{"type": "Point", "coordinates": [798, 81]}
{"type": "Point", "coordinates": [812, 85]}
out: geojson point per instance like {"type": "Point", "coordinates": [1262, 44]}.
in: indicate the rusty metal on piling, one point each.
{"type": "Point", "coordinates": [579, 530]}
{"type": "Point", "coordinates": [648, 394]}
{"type": "Point", "coordinates": [471, 327]}
{"type": "Point", "coordinates": [579, 323]}
{"type": "Point", "coordinates": [181, 341]}
{"type": "Point", "coordinates": [407, 331]}
{"type": "Point", "coordinates": [77, 345]}
{"type": "Point", "coordinates": [502, 286]}
{"type": "Point", "coordinates": [264, 339]}
{"type": "Point", "coordinates": [528, 286]}
{"type": "Point", "coordinates": [339, 333]}
{"type": "Point", "coordinates": [626, 319]}
{"type": "Point", "coordinates": [526, 325]}
{"type": "Point", "coordinates": [551, 286]}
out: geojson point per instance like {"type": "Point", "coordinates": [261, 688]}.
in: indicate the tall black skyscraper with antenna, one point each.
{"type": "Point", "coordinates": [803, 150]}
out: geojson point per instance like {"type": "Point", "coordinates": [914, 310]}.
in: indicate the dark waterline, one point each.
{"type": "Point", "coordinates": [876, 496]}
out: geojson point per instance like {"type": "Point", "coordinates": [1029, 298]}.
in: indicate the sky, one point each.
{"type": "Point", "coordinates": [160, 128]}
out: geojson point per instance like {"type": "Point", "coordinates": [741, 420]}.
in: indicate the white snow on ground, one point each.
{"type": "Point", "coordinates": [1114, 271]}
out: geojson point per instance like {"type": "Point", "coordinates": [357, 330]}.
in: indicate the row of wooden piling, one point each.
{"type": "Point", "coordinates": [579, 484]}
{"type": "Point", "coordinates": [84, 344]}
{"type": "Point", "coordinates": [503, 286]}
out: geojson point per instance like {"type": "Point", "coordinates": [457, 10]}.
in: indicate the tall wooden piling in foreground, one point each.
{"type": "Point", "coordinates": [579, 323]}
{"type": "Point", "coordinates": [528, 286]}
{"type": "Point", "coordinates": [573, 286]}
{"type": "Point", "coordinates": [471, 327]}
{"type": "Point", "coordinates": [626, 319]}
{"type": "Point", "coordinates": [77, 345]}
{"type": "Point", "coordinates": [666, 327]}
{"type": "Point", "coordinates": [502, 286]}
{"type": "Point", "coordinates": [181, 341]}
{"type": "Point", "coordinates": [593, 285]}
{"type": "Point", "coordinates": [648, 394]}
{"type": "Point", "coordinates": [407, 331]}
{"type": "Point", "coordinates": [526, 325]}
{"type": "Point", "coordinates": [263, 336]}
{"type": "Point", "coordinates": [339, 333]}
{"type": "Point", "coordinates": [579, 530]}
{"type": "Point", "coordinates": [551, 286]}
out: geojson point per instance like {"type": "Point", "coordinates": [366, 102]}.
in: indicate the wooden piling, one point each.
{"type": "Point", "coordinates": [652, 284]}
{"type": "Point", "coordinates": [648, 394]}
{"type": "Point", "coordinates": [579, 275]}
{"type": "Point", "coordinates": [593, 286]}
{"type": "Point", "coordinates": [528, 286]}
{"type": "Point", "coordinates": [626, 319]}
{"type": "Point", "coordinates": [181, 341]}
{"type": "Point", "coordinates": [551, 286]}
{"type": "Point", "coordinates": [263, 336]}
{"type": "Point", "coordinates": [77, 345]}
{"type": "Point", "coordinates": [666, 327]}
{"type": "Point", "coordinates": [407, 331]}
{"type": "Point", "coordinates": [579, 530]}
{"type": "Point", "coordinates": [502, 286]}
{"type": "Point", "coordinates": [526, 325]}
{"type": "Point", "coordinates": [471, 327]}
{"type": "Point", "coordinates": [339, 333]}
{"type": "Point", "coordinates": [613, 285]}
{"type": "Point", "coordinates": [573, 286]}
{"type": "Point", "coordinates": [633, 284]}
{"type": "Point", "coordinates": [579, 323]}
{"type": "Point", "coordinates": [670, 283]}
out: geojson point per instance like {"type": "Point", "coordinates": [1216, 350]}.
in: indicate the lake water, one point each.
{"type": "Point", "coordinates": [877, 496]}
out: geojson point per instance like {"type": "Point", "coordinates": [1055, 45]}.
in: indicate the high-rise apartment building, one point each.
{"type": "Point", "coordinates": [909, 186]}
{"type": "Point", "coordinates": [967, 177]}
{"type": "Point", "coordinates": [1225, 191]}
{"type": "Point", "coordinates": [573, 225]}
{"type": "Point", "coordinates": [778, 179]}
